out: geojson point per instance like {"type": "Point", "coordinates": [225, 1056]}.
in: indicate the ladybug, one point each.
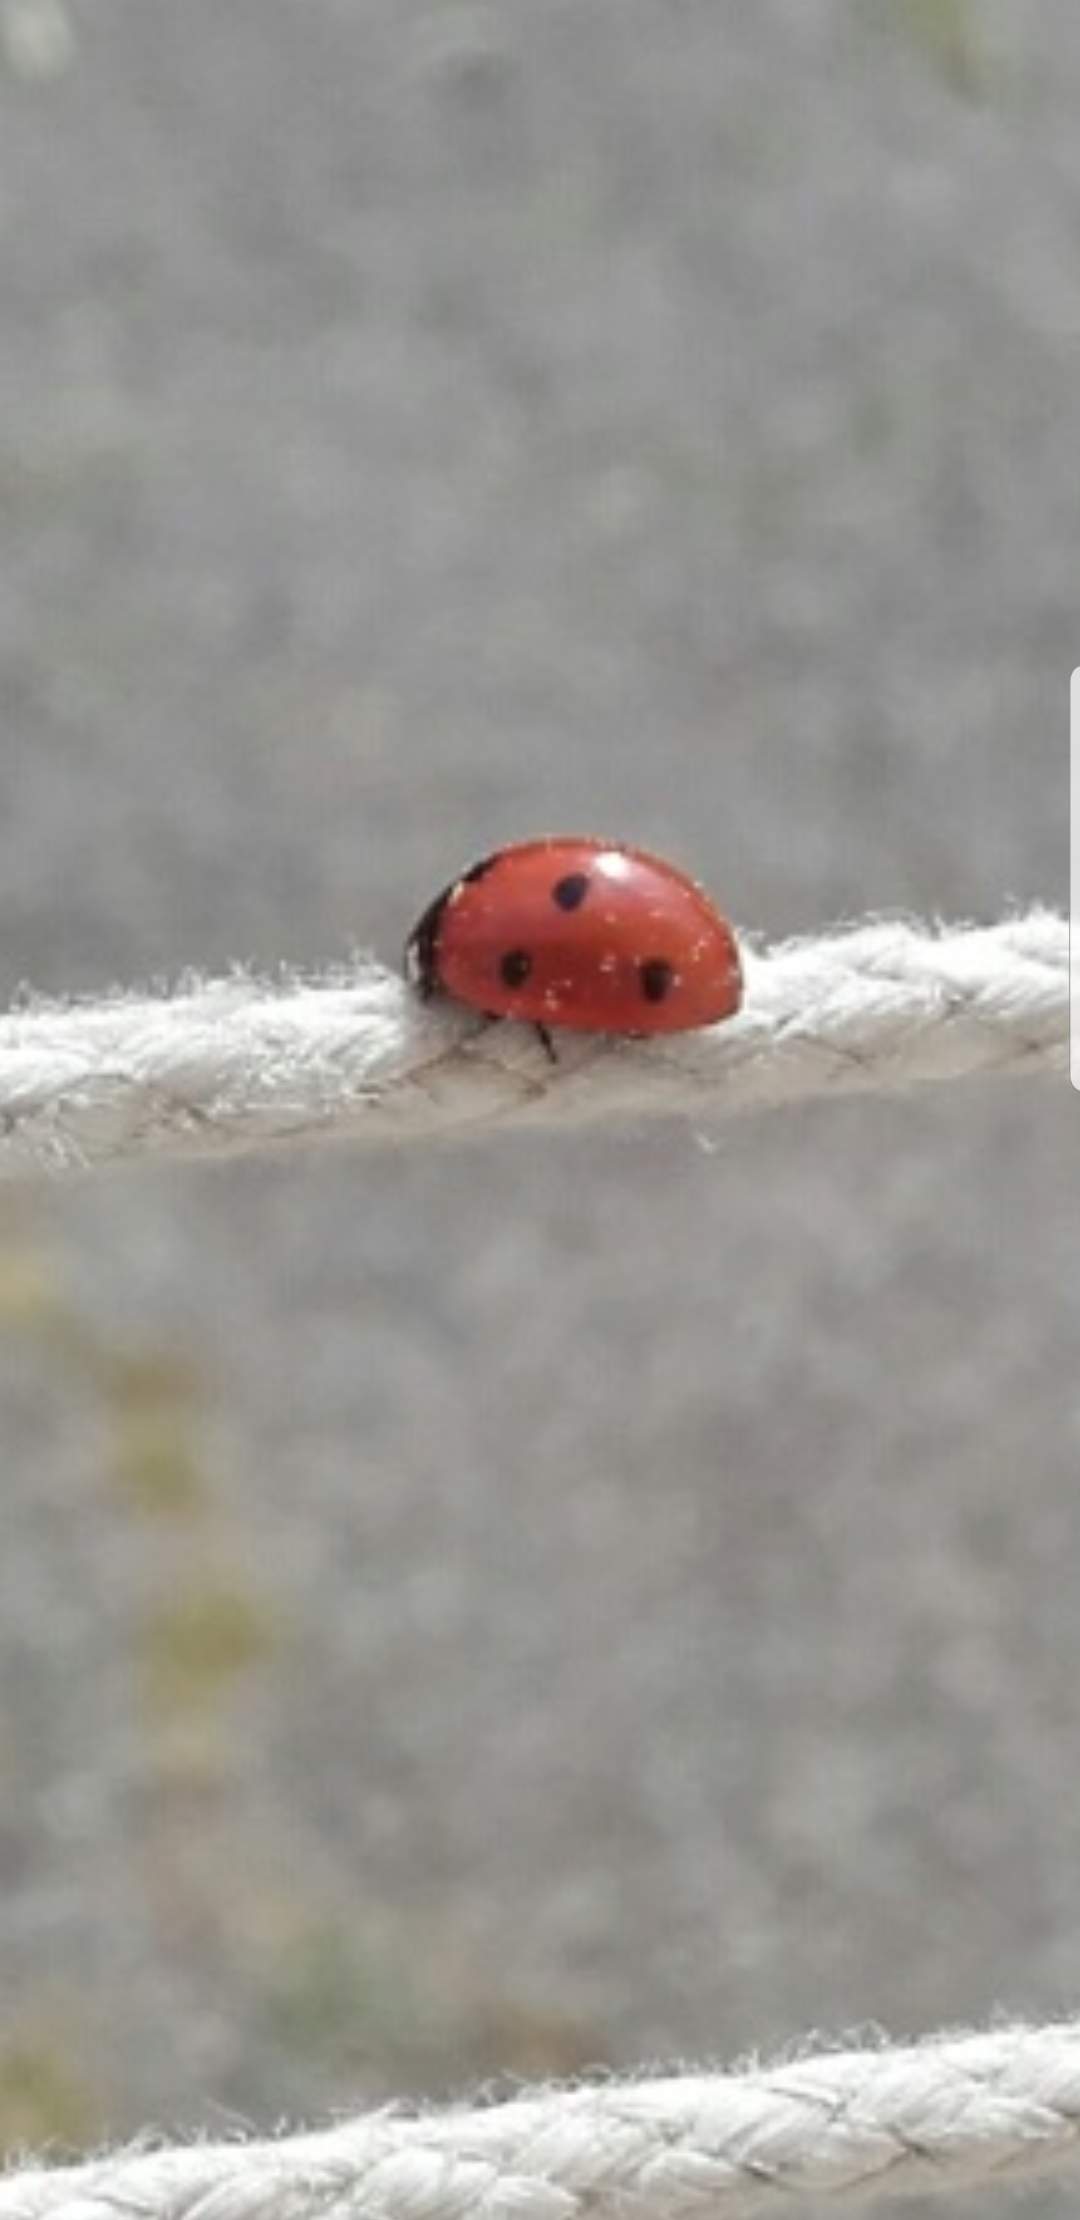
{"type": "Point", "coordinates": [588, 934]}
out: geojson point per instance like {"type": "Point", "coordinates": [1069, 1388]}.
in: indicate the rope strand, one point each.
{"type": "Point", "coordinates": [239, 1064]}
{"type": "Point", "coordinates": [957, 2112]}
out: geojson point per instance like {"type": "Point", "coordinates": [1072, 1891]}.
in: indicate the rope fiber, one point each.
{"type": "Point", "coordinates": [225, 1066]}
{"type": "Point", "coordinates": [957, 2112]}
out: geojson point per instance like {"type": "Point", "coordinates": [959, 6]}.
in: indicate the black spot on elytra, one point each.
{"type": "Point", "coordinates": [657, 978]}
{"type": "Point", "coordinates": [569, 893]}
{"type": "Point", "coordinates": [514, 967]}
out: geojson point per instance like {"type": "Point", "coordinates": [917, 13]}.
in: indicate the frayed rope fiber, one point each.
{"type": "Point", "coordinates": [956, 2112]}
{"type": "Point", "coordinates": [239, 1064]}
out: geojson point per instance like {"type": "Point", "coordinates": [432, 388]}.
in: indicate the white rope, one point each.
{"type": "Point", "coordinates": [239, 1064]}
{"type": "Point", "coordinates": [957, 2112]}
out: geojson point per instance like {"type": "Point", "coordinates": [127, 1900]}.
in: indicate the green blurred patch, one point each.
{"type": "Point", "coordinates": [944, 33]}
{"type": "Point", "coordinates": [354, 2001]}
{"type": "Point", "coordinates": [333, 1996]}
{"type": "Point", "coordinates": [154, 1463]}
{"type": "Point", "coordinates": [151, 1395]}
{"type": "Point", "coordinates": [30, 1293]}
{"type": "Point", "coordinates": [147, 1379]}
{"type": "Point", "coordinates": [190, 1651]}
{"type": "Point", "coordinates": [35, 1303]}
{"type": "Point", "coordinates": [43, 2098]}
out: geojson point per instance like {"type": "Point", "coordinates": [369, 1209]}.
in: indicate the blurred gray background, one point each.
{"type": "Point", "coordinates": [553, 1602]}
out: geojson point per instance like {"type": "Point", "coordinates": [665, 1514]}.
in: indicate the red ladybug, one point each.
{"type": "Point", "coordinates": [588, 934]}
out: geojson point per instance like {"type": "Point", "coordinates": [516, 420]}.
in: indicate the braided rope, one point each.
{"type": "Point", "coordinates": [239, 1064]}
{"type": "Point", "coordinates": [958, 2112]}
